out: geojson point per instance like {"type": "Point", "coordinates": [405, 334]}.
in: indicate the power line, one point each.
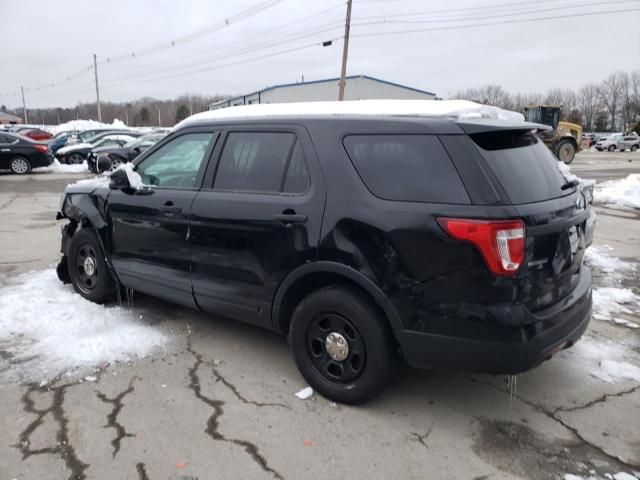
{"type": "Point", "coordinates": [496, 15]}
{"type": "Point", "coordinates": [247, 13]}
{"type": "Point", "coordinates": [504, 22]}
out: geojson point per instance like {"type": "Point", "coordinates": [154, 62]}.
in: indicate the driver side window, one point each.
{"type": "Point", "coordinates": [176, 164]}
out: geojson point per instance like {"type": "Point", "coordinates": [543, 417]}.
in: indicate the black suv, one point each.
{"type": "Point", "coordinates": [365, 239]}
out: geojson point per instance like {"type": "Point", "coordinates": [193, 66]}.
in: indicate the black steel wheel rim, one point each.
{"type": "Point", "coordinates": [347, 370]}
{"type": "Point", "coordinates": [86, 277]}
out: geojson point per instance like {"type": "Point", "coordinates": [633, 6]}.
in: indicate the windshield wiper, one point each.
{"type": "Point", "coordinates": [570, 184]}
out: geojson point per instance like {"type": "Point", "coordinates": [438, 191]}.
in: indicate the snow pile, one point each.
{"type": "Point", "coordinates": [609, 301]}
{"type": "Point", "coordinates": [57, 167]}
{"type": "Point", "coordinates": [84, 125]}
{"type": "Point", "coordinates": [304, 393]}
{"type": "Point", "coordinates": [46, 329]}
{"type": "Point", "coordinates": [624, 193]}
{"type": "Point", "coordinates": [451, 109]}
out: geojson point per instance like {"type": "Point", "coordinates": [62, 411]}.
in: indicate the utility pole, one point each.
{"type": "Point", "coordinates": [126, 116]}
{"type": "Point", "coordinates": [345, 51]}
{"type": "Point", "coordinates": [159, 121]}
{"type": "Point", "coordinates": [24, 106]}
{"type": "Point", "coordinates": [95, 71]}
{"type": "Point", "coordinates": [190, 104]}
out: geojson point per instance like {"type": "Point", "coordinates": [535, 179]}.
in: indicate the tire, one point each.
{"type": "Point", "coordinates": [612, 148]}
{"type": "Point", "coordinates": [75, 158]}
{"type": "Point", "coordinates": [20, 165]}
{"type": "Point", "coordinates": [565, 151]}
{"type": "Point", "coordinates": [116, 162]}
{"type": "Point", "coordinates": [634, 148]}
{"type": "Point", "coordinates": [95, 284]}
{"type": "Point", "coordinates": [344, 315]}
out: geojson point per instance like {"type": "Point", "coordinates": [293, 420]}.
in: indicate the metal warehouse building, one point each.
{"type": "Point", "coordinates": [357, 87]}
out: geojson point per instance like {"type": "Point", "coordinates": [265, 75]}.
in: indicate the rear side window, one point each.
{"type": "Point", "coordinates": [414, 168]}
{"type": "Point", "coordinates": [265, 162]}
{"type": "Point", "coordinates": [524, 166]}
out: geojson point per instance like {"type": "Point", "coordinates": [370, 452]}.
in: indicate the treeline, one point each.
{"type": "Point", "coordinates": [146, 111]}
{"type": "Point", "coordinates": [612, 105]}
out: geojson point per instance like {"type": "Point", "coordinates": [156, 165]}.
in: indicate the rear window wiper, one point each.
{"type": "Point", "coordinates": [570, 184]}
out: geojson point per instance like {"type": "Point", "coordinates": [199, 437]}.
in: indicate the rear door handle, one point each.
{"type": "Point", "coordinates": [290, 218]}
{"type": "Point", "coordinates": [5, 150]}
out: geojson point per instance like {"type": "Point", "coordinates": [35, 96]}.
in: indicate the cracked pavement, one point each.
{"type": "Point", "coordinates": [219, 402]}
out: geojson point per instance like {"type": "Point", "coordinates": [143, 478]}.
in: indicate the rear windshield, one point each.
{"type": "Point", "coordinates": [414, 168]}
{"type": "Point", "coordinates": [524, 166]}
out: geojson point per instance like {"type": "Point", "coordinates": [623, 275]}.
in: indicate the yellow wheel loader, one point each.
{"type": "Point", "coordinates": [565, 138]}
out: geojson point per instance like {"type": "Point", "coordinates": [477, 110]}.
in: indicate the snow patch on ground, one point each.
{"type": "Point", "coordinates": [623, 193]}
{"type": "Point", "coordinates": [611, 301]}
{"type": "Point", "coordinates": [605, 360]}
{"type": "Point", "coordinates": [608, 476]}
{"type": "Point", "coordinates": [615, 268]}
{"type": "Point", "coordinates": [47, 329]}
{"type": "Point", "coordinates": [613, 370]}
{"type": "Point", "coordinates": [57, 167]}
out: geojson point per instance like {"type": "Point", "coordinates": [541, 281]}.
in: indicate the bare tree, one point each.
{"type": "Point", "coordinates": [611, 93]}
{"type": "Point", "coordinates": [488, 95]}
{"type": "Point", "coordinates": [589, 104]}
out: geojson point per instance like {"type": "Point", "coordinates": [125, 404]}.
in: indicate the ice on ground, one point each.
{"type": "Point", "coordinates": [623, 193]}
{"type": "Point", "coordinates": [304, 393]}
{"type": "Point", "coordinates": [451, 109]}
{"type": "Point", "coordinates": [47, 329]}
{"type": "Point", "coordinates": [609, 301]}
{"type": "Point", "coordinates": [613, 370]}
{"type": "Point", "coordinates": [57, 167]}
{"type": "Point", "coordinates": [84, 125]}
{"type": "Point", "coordinates": [614, 267]}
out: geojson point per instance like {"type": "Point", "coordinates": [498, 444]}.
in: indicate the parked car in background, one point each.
{"type": "Point", "coordinates": [87, 135]}
{"type": "Point", "coordinates": [365, 239]}
{"type": "Point", "coordinates": [34, 133]}
{"type": "Point", "coordinates": [591, 137]}
{"type": "Point", "coordinates": [125, 153]}
{"type": "Point", "coordinates": [78, 152]}
{"type": "Point", "coordinates": [618, 142]}
{"type": "Point", "coordinates": [60, 140]}
{"type": "Point", "coordinates": [20, 154]}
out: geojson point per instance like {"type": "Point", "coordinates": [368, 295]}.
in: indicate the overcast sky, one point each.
{"type": "Point", "coordinates": [45, 41]}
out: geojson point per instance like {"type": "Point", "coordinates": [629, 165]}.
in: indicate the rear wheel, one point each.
{"type": "Point", "coordinates": [20, 165]}
{"type": "Point", "coordinates": [75, 159]}
{"type": "Point", "coordinates": [341, 344]}
{"type": "Point", "coordinates": [88, 269]}
{"type": "Point", "coordinates": [634, 148]}
{"type": "Point", "coordinates": [611, 148]}
{"type": "Point", "coordinates": [565, 151]}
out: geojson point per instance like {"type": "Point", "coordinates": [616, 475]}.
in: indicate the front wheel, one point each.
{"type": "Point", "coordinates": [88, 268]}
{"type": "Point", "coordinates": [565, 151]}
{"type": "Point", "coordinates": [342, 345]}
{"type": "Point", "coordinates": [20, 165]}
{"type": "Point", "coordinates": [75, 159]}
{"type": "Point", "coordinates": [612, 148]}
{"type": "Point", "coordinates": [634, 148]}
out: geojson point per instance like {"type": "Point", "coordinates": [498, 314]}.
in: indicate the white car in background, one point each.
{"type": "Point", "coordinates": [619, 142]}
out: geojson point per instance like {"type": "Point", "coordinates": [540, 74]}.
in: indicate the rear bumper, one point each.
{"type": "Point", "coordinates": [553, 329]}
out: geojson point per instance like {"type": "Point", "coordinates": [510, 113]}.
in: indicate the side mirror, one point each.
{"type": "Point", "coordinates": [103, 163]}
{"type": "Point", "coordinates": [118, 180]}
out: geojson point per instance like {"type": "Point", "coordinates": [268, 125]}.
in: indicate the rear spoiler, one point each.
{"type": "Point", "coordinates": [486, 125]}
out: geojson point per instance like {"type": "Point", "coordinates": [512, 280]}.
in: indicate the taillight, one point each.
{"type": "Point", "coordinates": [41, 148]}
{"type": "Point", "coordinates": [501, 243]}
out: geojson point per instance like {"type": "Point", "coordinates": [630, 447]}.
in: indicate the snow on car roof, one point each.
{"type": "Point", "coordinates": [449, 109]}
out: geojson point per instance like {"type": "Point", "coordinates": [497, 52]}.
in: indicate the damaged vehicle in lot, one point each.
{"type": "Point", "coordinates": [366, 239]}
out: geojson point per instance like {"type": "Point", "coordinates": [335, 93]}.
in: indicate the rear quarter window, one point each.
{"type": "Point", "coordinates": [413, 168]}
{"type": "Point", "coordinates": [524, 166]}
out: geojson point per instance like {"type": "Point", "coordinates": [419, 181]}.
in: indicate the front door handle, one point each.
{"type": "Point", "coordinates": [170, 208]}
{"type": "Point", "coordinates": [290, 218]}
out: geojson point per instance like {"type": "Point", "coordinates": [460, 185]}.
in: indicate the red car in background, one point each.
{"type": "Point", "coordinates": [34, 134]}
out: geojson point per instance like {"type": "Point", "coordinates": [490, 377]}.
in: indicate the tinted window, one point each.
{"type": "Point", "coordinates": [412, 168]}
{"type": "Point", "coordinates": [254, 162]}
{"type": "Point", "coordinates": [6, 139]}
{"type": "Point", "coordinates": [524, 166]}
{"type": "Point", "coordinates": [176, 164]}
